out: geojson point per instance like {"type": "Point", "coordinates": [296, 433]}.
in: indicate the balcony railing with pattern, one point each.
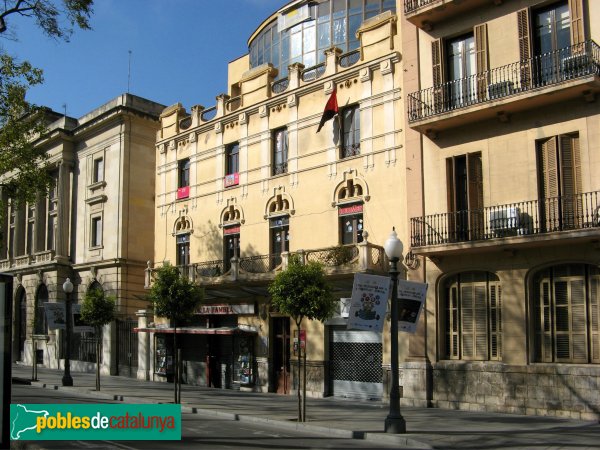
{"type": "Point", "coordinates": [210, 269]}
{"type": "Point", "coordinates": [564, 213]}
{"type": "Point", "coordinates": [413, 5]}
{"type": "Point", "coordinates": [333, 256]}
{"type": "Point", "coordinates": [349, 59]}
{"type": "Point", "coordinates": [280, 86]}
{"type": "Point", "coordinates": [260, 263]}
{"type": "Point", "coordinates": [314, 72]}
{"type": "Point", "coordinates": [552, 68]}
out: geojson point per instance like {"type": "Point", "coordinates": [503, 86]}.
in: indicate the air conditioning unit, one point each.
{"type": "Point", "coordinates": [500, 89]}
{"type": "Point", "coordinates": [504, 220]}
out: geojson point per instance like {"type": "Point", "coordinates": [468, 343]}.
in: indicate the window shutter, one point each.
{"type": "Point", "coordinates": [451, 199]}
{"type": "Point", "coordinates": [437, 60]}
{"type": "Point", "coordinates": [475, 194]}
{"type": "Point", "coordinates": [577, 23]}
{"type": "Point", "coordinates": [524, 47]}
{"type": "Point", "coordinates": [452, 325]}
{"type": "Point", "coordinates": [578, 320]}
{"type": "Point", "coordinates": [468, 329]}
{"type": "Point", "coordinates": [595, 315]}
{"type": "Point", "coordinates": [481, 58]}
{"type": "Point", "coordinates": [495, 321]}
{"type": "Point", "coordinates": [549, 189]}
{"type": "Point", "coordinates": [481, 322]}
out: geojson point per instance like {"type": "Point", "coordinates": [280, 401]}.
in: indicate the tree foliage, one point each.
{"type": "Point", "coordinates": [55, 18]}
{"type": "Point", "coordinates": [302, 291]}
{"type": "Point", "coordinates": [173, 295]}
{"type": "Point", "coordinates": [20, 123]}
{"type": "Point", "coordinates": [97, 309]}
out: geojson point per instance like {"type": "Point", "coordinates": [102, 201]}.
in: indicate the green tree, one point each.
{"type": "Point", "coordinates": [176, 298]}
{"type": "Point", "coordinates": [97, 310]}
{"type": "Point", "coordinates": [55, 19]}
{"type": "Point", "coordinates": [301, 291]}
{"type": "Point", "coordinates": [22, 162]}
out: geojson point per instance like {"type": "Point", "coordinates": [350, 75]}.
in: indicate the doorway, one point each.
{"type": "Point", "coordinates": [280, 369]}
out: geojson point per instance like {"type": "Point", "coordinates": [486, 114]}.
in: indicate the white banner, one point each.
{"type": "Point", "coordinates": [369, 302]}
{"type": "Point", "coordinates": [56, 316]}
{"type": "Point", "coordinates": [411, 298]}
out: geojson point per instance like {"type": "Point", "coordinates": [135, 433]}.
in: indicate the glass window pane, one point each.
{"type": "Point", "coordinates": [339, 8]}
{"type": "Point", "coordinates": [355, 7]}
{"type": "Point", "coordinates": [353, 24]}
{"type": "Point", "coordinates": [324, 35]}
{"type": "Point", "coordinates": [309, 39]}
{"type": "Point", "coordinates": [296, 45]}
{"type": "Point", "coordinates": [373, 5]}
{"type": "Point", "coordinates": [310, 59]}
{"type": "Point", "coordinates": [339, 31]}
{"type": "Point", "coordinates": [324, 11]}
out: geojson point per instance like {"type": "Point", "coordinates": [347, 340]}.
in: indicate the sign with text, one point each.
{"type": "Point", "coordinates": [411, 298]}
{"type": "Point", "coordinates": [216, 310]}
{"type": "Point", "coordinates": [57, 317]}
{"type": "Point", "coordinates": [369, 302]}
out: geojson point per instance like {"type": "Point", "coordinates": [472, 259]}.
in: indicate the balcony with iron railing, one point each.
{"type": "Point", "coordinates": [523, 223]}
{"type": "Point", "coordinates": [426, 13]}
{"type": "Point", "coordinates": [567, 73]}
{"type": "Point", "coordinates": [339, 260]}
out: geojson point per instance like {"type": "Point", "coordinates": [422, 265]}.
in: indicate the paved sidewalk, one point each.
{"type": "Point", "coordinates": [427, 427]}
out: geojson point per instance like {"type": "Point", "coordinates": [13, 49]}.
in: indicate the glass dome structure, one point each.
{"type": "Point", "coordinates": [326, 23]}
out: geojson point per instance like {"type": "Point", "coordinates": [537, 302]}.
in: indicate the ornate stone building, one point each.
{"type": "Point", "coordinates": [95, 227]}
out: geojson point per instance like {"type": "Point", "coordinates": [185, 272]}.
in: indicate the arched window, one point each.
{"type": "Point", "coordinates": [41, 324]}
{"type": "Point", "coordinates": [566, 314]}
{"type": "Point", "coordinates": [472, 310]}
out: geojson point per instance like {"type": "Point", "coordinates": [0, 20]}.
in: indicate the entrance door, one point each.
{"type": "Point", "coordinates": [356, 358]}
{"type": "Point", "coordinates": [280, 370]}
{"type": "Point", "coordinates": [127, 348]}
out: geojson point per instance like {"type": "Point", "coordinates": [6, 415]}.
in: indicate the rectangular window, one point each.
{"type": "Point", "coordinates": [231, 245]}
{"type": "Point", "coordinates": [465, 197]}
{"type": "Point", "coordinates": [96, 231]}
{"type": "Point", "coordinates": [350, 132]}
{"type": "Point", "coordinates": [280, 151]}
{"type": "Point", "coordinates": [183, 250]}
{"type": "Point", "coordinates": [98, 170]}
{"type": "Point", "coordinates": [30, 246]}
{"type": "Point", "coordinates": [351, 224]}
{"type": "Point", "coordinates": [232, 154]}
{"type": "Point", "coordinates": [280, 239]}
{"type": "Point", "coordinates": [183, 179]}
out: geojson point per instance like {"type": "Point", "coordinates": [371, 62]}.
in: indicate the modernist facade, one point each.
{"type": "Point", "coordinates": [243, 185]}
{"type": "Point", "coordinates": [95, 227]}
{"type": "Point", "coordinates": [502, 110]}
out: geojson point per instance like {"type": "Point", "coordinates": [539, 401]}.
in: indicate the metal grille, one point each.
{"type": "Point", "coordinates": [127, 347]}
{"type": "Point", "coordinates": [357, 362]}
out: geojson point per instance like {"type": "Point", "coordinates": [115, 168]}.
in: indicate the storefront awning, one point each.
{"type": "Point", "coordinates": [199, 330]}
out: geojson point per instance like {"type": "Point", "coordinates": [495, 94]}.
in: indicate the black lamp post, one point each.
{"type": "Point", "coordinates": [67, 380]}
{"type": "Point", "coordinates": [394, 422]}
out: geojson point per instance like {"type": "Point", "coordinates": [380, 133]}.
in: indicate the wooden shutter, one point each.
{"type": "Point", "coordinates": [570, 181]}
{"type": "Point", "coordinates": [467, 322]}
{"type": "Point", "coordinates": [481, 58]}
{"type": "Point", "coordinates": [437, 61]}
{"type": "Point", "coordinates": [549, 187]}
{"type": "Point", "coordinates": [451, 198]}
{"type": "Point", "coordinates": [524, 47]}
{"type": "Point", "coordinates": [594, 296]}
{"type": "Point", "coordinates": [495, 292]}
{"type": "Point", "coordinates": [475, 195]}
{"type": "Point", "coordinates": [452, 325]}
{"type": "Point", "coordinates": [481, 321]}
{"type": "Point", "coordinates": [577, 25]}
{"type": "Point", "coordinates": [578, 320]}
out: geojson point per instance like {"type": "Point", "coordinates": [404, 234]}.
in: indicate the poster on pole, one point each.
{"type": "Point", "coordinates": [411, 298]}
{"type": "Point", "coordinates": [55, 315]}
{"type": "Point", "coordinates": [368, 302]}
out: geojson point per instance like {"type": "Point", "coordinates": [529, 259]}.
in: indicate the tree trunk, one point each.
{"type": "Point", "coordinates": [98, 349]}
{"type": "Point", "coordinates": [176, 365]}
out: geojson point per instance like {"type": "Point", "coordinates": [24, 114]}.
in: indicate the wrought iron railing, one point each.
{"type": "Point", "coordinates": [412, 5]}
{"type": "Point", "coordinates": [278, 169]}
{"type": "Point", "coordinates": [185, 123]}
{"type": "Point", "coordinates": [551, 68]}
{"type": "Point", "coordinates": [533, 217]}
{"type": "Point", "coordinates": [210, 269]}
{"type": "Point", "coordinates": [280, 86]}
{"type": "Point", "coordinates": [260, 263]}
{"type": "Point", "coordinates": [233, 103]}
{"type": "Point", "coordinates": [350, 150]}
{"type": "Point", "coordinates": [209, 114]}
{"type": "Point", "coordinates": [313, 72]}
{"type": "Point", "coordinates": [333, 256]}
{"type": "Point", "coordinates": [349, 59]}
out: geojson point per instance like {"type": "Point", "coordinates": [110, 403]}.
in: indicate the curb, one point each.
{"type": "Point", "coordinates": [403, 441]}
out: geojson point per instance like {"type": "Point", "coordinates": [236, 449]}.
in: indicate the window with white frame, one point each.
{"type": "Point", "coordinates": [96, 237]}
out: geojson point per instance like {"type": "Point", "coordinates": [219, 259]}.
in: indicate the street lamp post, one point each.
{"type": "Point", "coordinates": [394, 422]}
{"type": "Point", "coordinates": [67, 380]}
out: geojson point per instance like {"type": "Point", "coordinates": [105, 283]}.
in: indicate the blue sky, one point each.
{"type": "Point", "coordinates": [179, 52]}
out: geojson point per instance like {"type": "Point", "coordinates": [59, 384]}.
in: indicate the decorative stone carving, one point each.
{"type": "Point", "coordinates": [365, 74]}
{"type": "Point", "coordinates": [263, 111]}
{"type": "Point", "coordinates": [386, 67]}
{"type": "Point", "coordinates": [218, 127]}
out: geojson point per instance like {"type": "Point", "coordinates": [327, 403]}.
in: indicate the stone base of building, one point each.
{"type": "Point", "coordinates": [561, 390]}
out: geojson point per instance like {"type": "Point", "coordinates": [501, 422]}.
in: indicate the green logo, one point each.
{"type": "Point", "coordinates": [95, 422]}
